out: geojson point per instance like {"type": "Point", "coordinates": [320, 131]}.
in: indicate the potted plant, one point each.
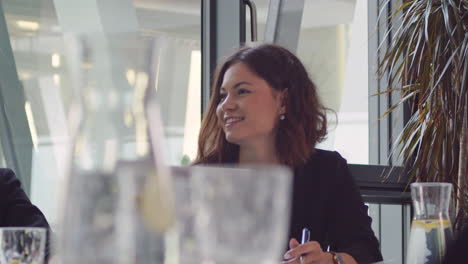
{"type": "Point", "coordinates": [427, 61]}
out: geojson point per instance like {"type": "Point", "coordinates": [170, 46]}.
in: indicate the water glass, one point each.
{"type": "Point", "coordinates": [22, 245]}
{"type": "Point", "coordinates": [241, 214]}
{"type": "Point", "coordinates": [115, 152]}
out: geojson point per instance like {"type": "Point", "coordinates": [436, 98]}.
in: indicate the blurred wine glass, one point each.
{"type": "Point", "coordinates": [241, 215]}
{"type": "Point", "coordinates": [117, 202]}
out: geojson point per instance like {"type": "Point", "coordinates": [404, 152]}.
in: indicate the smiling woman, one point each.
{"type": "Point", "coordinates": [265, 109]}
{"type": "Point", "coordinates": [269, 88]}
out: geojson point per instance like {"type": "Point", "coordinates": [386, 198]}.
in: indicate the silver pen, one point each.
{"type": "Point", "coordinates": [305, 238]}
{"type": "Point", "coordinates": [305, 235]}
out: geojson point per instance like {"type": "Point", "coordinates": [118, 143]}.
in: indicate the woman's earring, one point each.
{"type": "Point", "coordinates": [282, 117]}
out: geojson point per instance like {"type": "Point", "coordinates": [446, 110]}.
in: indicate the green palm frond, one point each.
{"type": "Point", "coordinates": [427, 61]}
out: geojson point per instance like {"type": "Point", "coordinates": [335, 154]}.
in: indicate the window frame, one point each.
{"type": "Point", "coordinates": [15, 135]}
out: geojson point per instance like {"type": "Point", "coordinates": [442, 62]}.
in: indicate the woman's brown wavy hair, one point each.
{"type": "Point", "coordinates": [304, 126]}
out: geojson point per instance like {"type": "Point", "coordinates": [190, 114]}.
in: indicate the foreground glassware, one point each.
{"type": "Point", "coordinates": [22, 245]}
{"type": "Point", "coordinates": [186, 246]}
{"type": "Point", "coordinates": [431, 229]}
{"type": "Point", "coordinates": [115, 152]}
{"type": "Point", "coordinates": [241, 214]}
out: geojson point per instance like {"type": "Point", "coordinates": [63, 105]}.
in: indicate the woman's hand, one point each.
{"type": "Point", "coordinates": [311, 252]}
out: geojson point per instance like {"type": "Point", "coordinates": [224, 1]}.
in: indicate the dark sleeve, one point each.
{"type": "Point", "coordinates": [350, 225]}
{"type": "Point", "coordinates": [15, 207]}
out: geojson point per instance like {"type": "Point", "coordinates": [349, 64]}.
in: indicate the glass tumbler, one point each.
{"type": "Point", "coordinates": [241, 214]}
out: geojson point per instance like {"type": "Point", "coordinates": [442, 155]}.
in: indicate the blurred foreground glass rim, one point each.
{"type": "Point", "coordinates": [259, 167]}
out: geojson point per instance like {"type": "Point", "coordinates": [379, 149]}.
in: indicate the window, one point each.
{"type": "Point", "coordinates": [333, 47]}
{"type": "Point", "coordinates": [38, 38]}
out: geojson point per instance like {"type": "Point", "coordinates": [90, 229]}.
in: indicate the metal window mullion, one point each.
{"type": "Point", "coordinates": [14, 129]}
{"type": "Point", "coordinates": [396, 124]}
{"type": "Point", "coordinates": [400, 115]}
{"type": "Point", "coordinates": [380, 226]}
{"type": "Point", "coordinates": [223, 31]}
{"type": "Point", "coordinates": [380, 128]}
{"type": "Point", "coordinates": [406, 218]}
{"type": "Point", "coordinates": [284, 23]}
{"type": "Point", "coordinates": [208, 23]}
{"type": "Point", "coordinates": [374, 101]}
{"type": "Point", "coordinates": [385, 99]}
{"type": "Point", "coordinates": [6, 136]}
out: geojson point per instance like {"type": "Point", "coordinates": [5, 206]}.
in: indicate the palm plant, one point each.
{"type": "Point", "coordinates": [427, 61]}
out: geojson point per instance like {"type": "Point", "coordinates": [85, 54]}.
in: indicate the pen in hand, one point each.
{"type": "Point", "coordinates": [305, 238]}
{"type": "Point", "coordinates": [305, 235]}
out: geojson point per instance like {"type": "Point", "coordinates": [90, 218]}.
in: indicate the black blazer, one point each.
{"type": "Point", "coordinates": [327, 201]}
{"type": "Point", "coordinates": [15, 207]}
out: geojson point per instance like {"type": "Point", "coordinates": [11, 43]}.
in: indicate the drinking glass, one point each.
{"type": "Point", "coordinates": [185, 246]}
{"type": "Point", "coordinates": [22, 245]}
{"type": "Point", "coordinates": [241, 214]}
{"type": "Point", "coordinates": [117, 184]}
{"type": "Point", "coordinates": [431, 229]}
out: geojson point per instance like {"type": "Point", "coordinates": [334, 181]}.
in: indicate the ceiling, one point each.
{"type": "Point", "coordinates": [177, 17]}
{"type": "Point", "coordinates": [165, 15]}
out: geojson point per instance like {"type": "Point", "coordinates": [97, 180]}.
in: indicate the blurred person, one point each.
{"type": "Point", "coordinates": [15, 207]}
{"type": "Point", "coordinates": [265, 109]}
{"type": "Point", "coordinates": [16, 210]}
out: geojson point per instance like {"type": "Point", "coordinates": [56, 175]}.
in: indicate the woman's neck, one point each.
{"type": "Point", "coordinates": [258, 154]}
